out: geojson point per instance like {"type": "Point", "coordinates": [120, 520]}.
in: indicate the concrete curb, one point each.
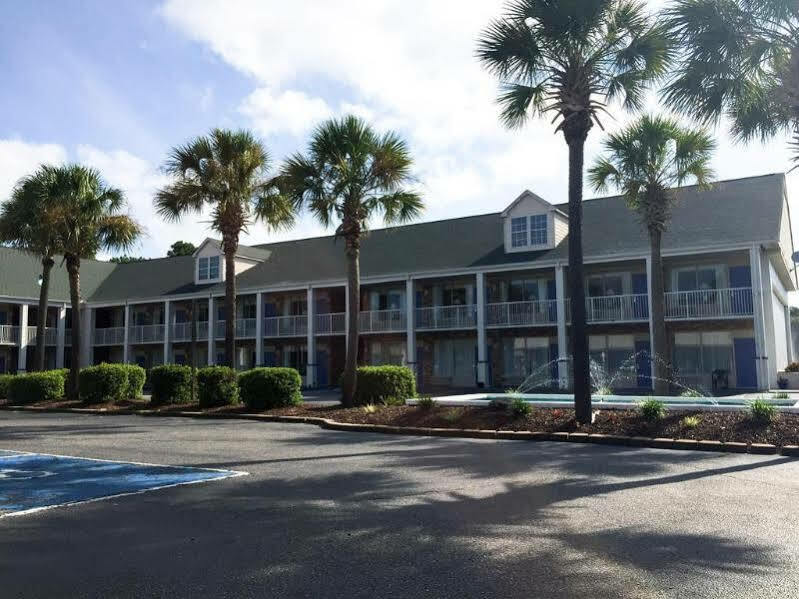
{"type": "Point", "coordinates": [326, 423]}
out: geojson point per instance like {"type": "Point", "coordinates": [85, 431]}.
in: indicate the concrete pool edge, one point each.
{"type": "Point", "coordinates": [503, 435]}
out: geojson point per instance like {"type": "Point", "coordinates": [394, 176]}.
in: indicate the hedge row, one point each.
{"type": "Point", "coordinates": [36, 386]}
{"type": "Point", "coordinates": [384, 384]}
{"type": "Point", "coordinates": [110, 382]}
{"type": "Point", "coordinates": [170, 383]}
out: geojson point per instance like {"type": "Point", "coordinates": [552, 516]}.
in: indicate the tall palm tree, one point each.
{"type": "Point", "coordinates": [226, 171]}
{"type": "Point", "coordinates": [570, 59]}
{"type": "Point", "coordinates": [27, 222]}
{"type": "Point", "coordinates": [644, 162]}
{"type": "Point", "coordinates": [740, 59]}
{"type": "Point", "coordinates": [349, 175]}
{"type": "Point", "coordinates": [89, 219]}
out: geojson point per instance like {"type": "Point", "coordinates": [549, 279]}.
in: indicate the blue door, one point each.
{"type": "Point", "coordinates": [745, 355]}
{"type": "Point", "coordinates": [643, 364]}
{"type": "Point", "coordinates": [640, 305]}
{"type": "Point", "coordinates": [741, 301]}
{"type": "Point", "coordinates": [551, 295]}
{"type": "Point", "coordinates": [322, 369]}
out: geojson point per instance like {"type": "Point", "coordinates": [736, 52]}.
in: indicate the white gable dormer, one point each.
{"type": "Point", "coordinates": [209, 262]}
{"type": "Point", "coordinates": [531, 223]}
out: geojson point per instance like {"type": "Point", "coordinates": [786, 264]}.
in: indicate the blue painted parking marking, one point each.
{"type": "Point", "coordinates": [31, 482]}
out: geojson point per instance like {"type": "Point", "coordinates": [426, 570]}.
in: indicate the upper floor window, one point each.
{"type": "Point", "coordinates": [208, 268]}
{"type": "Point", "coordinates": [538, 229]}
{"type": "Point", "coordinates": [518, 232]}
{"type": "Point", "coordinates": [530, 231]}
{"type": "Point", "coordinates": [697, 279]}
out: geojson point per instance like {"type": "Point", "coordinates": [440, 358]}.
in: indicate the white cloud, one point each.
{"type": "Point", "coordinates": [19, 158]}
{"type": "Point", "coordinates": [290, 111]}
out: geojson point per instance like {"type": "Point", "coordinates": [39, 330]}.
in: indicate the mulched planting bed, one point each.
{"type": "Point", "coordinates": [714, 426]}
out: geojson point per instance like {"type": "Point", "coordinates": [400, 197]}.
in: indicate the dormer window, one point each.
{"type": "Point", "coordinates": [518, 232]}
{"type": "Point", "coordinates": [529, 231]}
{"type": "Point", "coordinates": [208, 268]}
{"type": "Point", "coordinates": [538, 229]}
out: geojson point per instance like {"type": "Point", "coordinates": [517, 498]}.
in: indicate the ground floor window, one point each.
{"type": "Point", "coordinates": [386, 353]}
{"type": "Point", "coordinates": [524, 356]}
{"type": "Point", "coordinates": [454, 361]}
{"type": "Point", "coordinates": [699, 358]}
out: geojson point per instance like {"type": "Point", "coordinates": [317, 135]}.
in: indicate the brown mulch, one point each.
{"type": "Point", "coordinates": [714, 426]}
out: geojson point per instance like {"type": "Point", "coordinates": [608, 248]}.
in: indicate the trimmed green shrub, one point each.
{"type": "Point", "coordinates": [762, 411]}
{"type": "Point", "coordinates": [102, 383]}
{"type": "Point", "coordinates": [5, 379]}
{"type": "Point", "coordinates": [170, 383]}
{"type": "Point", "coordinates": [36, 386]}
{"type": "Point", "coordinates": [267, 388]}
{"type": "Point", "coordinates": [652, 410]}
{"type": "Point", "coordinates": [384, 384]}
{"type": "Point", "coordinates": [792, 367]}
{"type": "Point", "coordinates": [136, 377]}
{"type": "Point", "coordinates": [690, 421]}
{"type": "Point", "coordinates": [520, 408]}
{"type": "Point", "coordinates": [217, 386]}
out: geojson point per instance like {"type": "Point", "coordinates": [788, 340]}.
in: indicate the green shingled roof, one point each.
{"type": "Point", "coordinates": [733, 212]}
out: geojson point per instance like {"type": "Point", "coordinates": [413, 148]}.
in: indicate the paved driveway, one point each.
{"type": "Point", "coordinates": [332, 514]}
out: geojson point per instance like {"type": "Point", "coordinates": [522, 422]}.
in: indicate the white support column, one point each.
{"type": "Point", "coordinates": [61, 336]}
{"type": "Point", "coordinates": [759, 317]}
{"type": "Point", "coordinates": [310, 368]}
{"type": "Point", "coordinates": [211, 332]}
{"type": "Point", "coordinates": [410, 326]}
{"type": "Point", "coordinates": [652, 356]}
{"type": "Point", "coordinates": [788, 333]}
{"type": "Point", "coordinates": [167, 331]}
{"type": "Point", "coordinates": [87, 337]}
{"type": "Point", "coordinates": [22, 354]}
{"type": "Point", "coordinates": [563, 350]}
{"type": "Point", "coordinates": [259, 329]}
{"type": "Point", "coordinates": [126, 334]}
{"type": "Point", "coordinates": [769, 356]}
{"type": "Point", "coordinates": [482, 347]}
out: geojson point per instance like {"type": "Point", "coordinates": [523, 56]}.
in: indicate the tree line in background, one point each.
{"type": "Point", "coordinates": [572, 60]}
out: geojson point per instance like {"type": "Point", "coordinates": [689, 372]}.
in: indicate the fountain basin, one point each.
{"type": "Point", "coordinates": [615, 402]}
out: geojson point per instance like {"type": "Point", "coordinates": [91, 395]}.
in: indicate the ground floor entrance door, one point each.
{"type": "Point", "coordinates": [745, 369]}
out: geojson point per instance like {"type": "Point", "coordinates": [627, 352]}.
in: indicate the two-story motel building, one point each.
{"type": "Point", "coordinates": [467, 302]}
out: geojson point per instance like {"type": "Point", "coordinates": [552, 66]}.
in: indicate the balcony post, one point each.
{"type": "Point", "coordinates": [563, 350]}
{"type": "Point", "coordinates": [61, 336]}
{"type": "Point", "coordinates": [410, 329]}
{"type": "Point", "coordinates": [482, 348]}
{"type": "Point", "coordinates": [167, 327]}
{"type": "Point", "coordinates": [126, 334]}
{"type": "Point", "coordinates": [759, 316]}
{"type": "Point", "coordinates": [259, 329]}
{"type": "Point", "coordinates": [310, 368]}
{"type": "Point", "coordinates": [211, 331]}
{"type": "Point", "coordinates": [22, 354]}
{"type": "Point", "coordinates": [652, 356]}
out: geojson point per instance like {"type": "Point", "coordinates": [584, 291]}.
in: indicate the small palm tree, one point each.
{"type": "Point", "coordinates": [88, 219]}
{"type": "Point", "coordinates": [226, 171]}
{"type": "Point", "coordinates": [571, 59]}
{"type": "Point", "coordinates": [644, 162]}
{"type": "Point", "coordinates": [27, 223]}
{"type": "Point", "coordinates": [740, 59]}
{"type": "Point", "coordinates": [349, 175]}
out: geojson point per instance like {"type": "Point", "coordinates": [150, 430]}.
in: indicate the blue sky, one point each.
{"type": "Point", "coordinates": [116, 84]}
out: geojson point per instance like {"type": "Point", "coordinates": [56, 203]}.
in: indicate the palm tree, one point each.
{"type": "Point", "coordinates": [88, 219]}
{"type": "Point", "coordinates": [644, 162]}
{"type": "Point", "coordinates": [571, 59]}
{"type": "Point", "coordinates": [27, 223]}
{"type": "Point", "coordinates": [226, 171]}
{"type": "Point", "coordinates": [740, 59]}
{"type": "Point", "coordinates": [349, 175]}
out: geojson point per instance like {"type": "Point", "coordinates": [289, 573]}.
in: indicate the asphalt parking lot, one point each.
{"type": "Point", "coordinates": [333, 514]}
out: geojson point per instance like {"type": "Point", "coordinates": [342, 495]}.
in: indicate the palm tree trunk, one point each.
{"type": "Point", "coordinates": [73, 270]}
{"type": "Point", "coordinates": [41, 321]}
{"type": "Point", "coordinates": [349, 381]}
{"type": "Point", "coordinates": [659, 349]}
{"type": "Point", "coordinates": [579, 337]}
{"type": "Point", "coordinates": [230, 302]}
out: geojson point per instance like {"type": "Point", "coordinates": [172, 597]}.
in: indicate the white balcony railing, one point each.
{"type": "Point", "coordinates": [542, 312]}
{"type": "Point", "coordinates": [109, 336]}
{"type": "Point", "coordinates": [9, 334]}
{"type": "Point", "coordinates": [50, 335]}
{"type": "Point", "coordinates": [150, 333]}
{"type": "Point", "coordinates": [333, 323]}
{"type": "Point", "coordinates": [181, 331]}
{"type": "Point", "coordinates": [382, 321]}
{"type": "Point", "coordinates": [285, 326]}
{"type": "Point", "coordinates": [615, 308]}
{"type": "Point", "coordinates": [709, 303]}
{"type": "Point", "coordinates": [446, 317]}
